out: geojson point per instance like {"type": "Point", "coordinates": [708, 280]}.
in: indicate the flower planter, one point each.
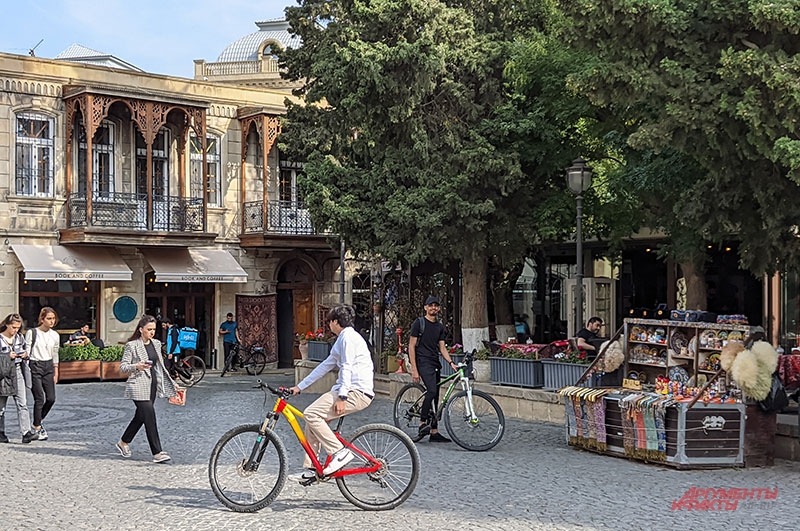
{"type": "Point", "coordinates": [318, 350]}
{"type": "Point", "coordinates": [558, 374]}
{"type": "Point", "coordinates": [446, 369]}
{"type": "Point", "coordinates": [79, 370]}
{"type": "Point", "coordinates": [302, 347]}
{"type": "Point", "coordinates": [512, 371]}
{"type": "Point", "coordinates": [109, 370]}
{"type": "Point", "coordinates": [482, 369]}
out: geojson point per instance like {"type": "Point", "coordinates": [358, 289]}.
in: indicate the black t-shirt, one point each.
{"type": "Point", "coordinates": [587, 335]}
{"type": "Point", "coordinates": [428, 341]}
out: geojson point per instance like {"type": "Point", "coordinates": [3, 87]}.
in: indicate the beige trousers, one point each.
{"type": "Point", "coordinates": [319, 413]}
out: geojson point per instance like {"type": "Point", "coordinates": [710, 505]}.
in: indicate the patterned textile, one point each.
{"type": "Point", "coordinates": [641, 434]}
{"type": "Point", "coordinates": [660, 428]}
{"type": "Point", "coordinates": [789, 371]}
{"type": "Point", "coordinates": [257, 319]}
{"type": "Point", "coordinates": [572, 427]}
{"type": "Point", "coordinates": [576, 404]}
{"type": "Point", "coordinates": [600, 420]}
{"type": "Point", "coordinates": [648, 412]}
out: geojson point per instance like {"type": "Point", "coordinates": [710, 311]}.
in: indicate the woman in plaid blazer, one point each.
{"type": "Point", "coordinates": [148, 380]}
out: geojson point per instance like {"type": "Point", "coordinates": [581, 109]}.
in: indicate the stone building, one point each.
{"type": "Point", "coordinates": [107, 212]}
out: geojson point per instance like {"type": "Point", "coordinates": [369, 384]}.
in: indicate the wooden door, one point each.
{"type": "Point", "coordinates": [303, 312]}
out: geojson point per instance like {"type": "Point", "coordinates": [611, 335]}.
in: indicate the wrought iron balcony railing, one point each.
{"type": "Point", "coordinates": [283, 217]}
{"type": "Point", "coordinates": [129, 212]}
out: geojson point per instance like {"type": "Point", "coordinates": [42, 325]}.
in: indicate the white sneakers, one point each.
{"type": "Point", "coordinates": [338, 461]}
{"type": "Point", "coordinates": [161, 457]}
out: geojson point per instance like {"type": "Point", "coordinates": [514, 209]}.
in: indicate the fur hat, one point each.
{"type": "Point", "coordinates": [729, 353]}
{"type": "Point", "coordinates": [745, 371]}
{"type": "Point", "coordinates": [767, 356]}
{"type": "Point", "coordinates": [613, 357]}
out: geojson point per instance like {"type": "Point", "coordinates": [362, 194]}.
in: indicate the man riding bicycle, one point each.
{"type": "Point", "coordinates": [352, 392]}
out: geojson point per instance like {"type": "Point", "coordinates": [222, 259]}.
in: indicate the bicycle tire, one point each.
{"type": "Point", "coordinates": [225, 467]}
{"type": "Point", "coordinates": [397, 478]}
{"type": "Point", "coordinates": [482, 434]}
{"type": "Point", "coordinates": [255, 363]}
{"type": "Point", "coordinates": [407, 407]}
{"type": "Point", "coordinates": [191, 370]}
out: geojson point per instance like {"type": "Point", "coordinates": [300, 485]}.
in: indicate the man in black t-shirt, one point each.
{"type": "Point", "coordinates": [585, 336]}
{"type": "Point", "coordinates": [424, 347]}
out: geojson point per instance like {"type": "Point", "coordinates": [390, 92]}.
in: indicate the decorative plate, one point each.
{"type": "Point", "coordinates": [633, 375]}
{"type": "Point", "coordinates": [735, 336]}
{"type": "Point", "coordinates": [679, 374]}
{"type": "Point", "coordinates": [723, 335]}
{"type": "Point", "coordinates": [660, 336]}
{"type": "Point", "coordinates": [678, 340]}
{"type": "Point", "coordinates": [636, 333]}
{"type": "Point", "coordinates": [707, 338]}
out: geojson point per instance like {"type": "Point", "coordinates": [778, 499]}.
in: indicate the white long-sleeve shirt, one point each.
{"type": "Point", "coordinates": [46, 346]}
{"type": "Point", "coordinates": [351, 355]}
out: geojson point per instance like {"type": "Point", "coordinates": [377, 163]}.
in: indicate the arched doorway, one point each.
{"type": "Point", "coordinates": [295, 307]}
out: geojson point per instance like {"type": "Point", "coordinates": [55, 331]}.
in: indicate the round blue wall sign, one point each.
{"type": "Point", "coordinates": [125, 309]}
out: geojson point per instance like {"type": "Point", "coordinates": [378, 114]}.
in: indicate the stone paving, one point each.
{"type": "Point", "coordinates": [531, 480]}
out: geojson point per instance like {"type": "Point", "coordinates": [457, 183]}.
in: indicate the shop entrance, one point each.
{"type": "Point", "coordinates": [185, 304]}
{"type": "Point", "coordinates": [295, 308]}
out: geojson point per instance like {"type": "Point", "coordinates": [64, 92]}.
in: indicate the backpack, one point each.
{"type": "Point", "coordinates": [187, 338]}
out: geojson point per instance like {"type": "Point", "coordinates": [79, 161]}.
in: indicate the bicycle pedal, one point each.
{"type": "Point", "coordinates": [309, 482]}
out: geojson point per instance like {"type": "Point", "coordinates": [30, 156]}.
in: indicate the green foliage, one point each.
{"type": "Point", "coordinates": [79, 353]}
{"type": "Point", "coordinates": [90, 352]}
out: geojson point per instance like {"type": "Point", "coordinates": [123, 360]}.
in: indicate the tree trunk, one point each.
{"type": "Point", "coordinates": [474, 315]}
{"type": "Point", "coordinates": [696, 289]}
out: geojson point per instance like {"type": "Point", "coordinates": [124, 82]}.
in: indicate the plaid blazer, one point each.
{"type": "Point", "coordinates": [138, 385]}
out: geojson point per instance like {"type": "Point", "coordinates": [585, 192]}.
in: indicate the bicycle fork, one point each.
{"type": "Point", "coordinates": [473, 418]}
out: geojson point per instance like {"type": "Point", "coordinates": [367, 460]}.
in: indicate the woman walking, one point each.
{"type": "Point", "coordinates": [42, 344]}
{"type": "Point", "coordinates": [13, 376]}
{"type": "Point", "coordinates": [148, 379]}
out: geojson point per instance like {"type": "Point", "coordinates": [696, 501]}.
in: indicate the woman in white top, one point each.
{"type": "Point", "coordinates": [43, 343]}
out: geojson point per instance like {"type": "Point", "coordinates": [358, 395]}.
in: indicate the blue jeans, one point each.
{"type": "Point", "coordinates": [21, 399]}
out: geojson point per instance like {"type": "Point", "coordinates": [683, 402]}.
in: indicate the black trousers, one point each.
{"type": "Point", "coordinates": [145, 414]}
{"type": "Point", "coordinates": [227, 348]}
{"type": "Point", "coordinates": [429, 372]}
{"type": "Point", "coordinates": [43, 388]}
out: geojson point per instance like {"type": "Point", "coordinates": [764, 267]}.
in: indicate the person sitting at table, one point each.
{"type": "Point", "coordinates": [586, 336]}
{"type": "Point", "coordinates": [80, 337]}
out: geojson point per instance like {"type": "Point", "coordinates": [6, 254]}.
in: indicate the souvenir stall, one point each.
{"type": "Point", "coordinates": [688, 398]}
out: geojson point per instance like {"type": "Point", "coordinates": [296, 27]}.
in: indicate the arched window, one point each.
{"type": "Point", "coordinates": [35, 140]}
{"type": "Point", "coordinates": [213, 180]}
{"type": "Point", "coordinates": [102, 161]}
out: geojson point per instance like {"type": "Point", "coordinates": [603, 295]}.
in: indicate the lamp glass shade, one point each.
{"type": "Point", "coordinates": [579, 176]}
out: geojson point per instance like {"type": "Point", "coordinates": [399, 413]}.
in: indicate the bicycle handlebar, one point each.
{"type": "Point", "coordinates": [283, 392]}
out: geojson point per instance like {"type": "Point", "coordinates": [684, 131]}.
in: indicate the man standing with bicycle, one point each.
{"type": "Point", "coordinates": [352, 392]}
{"type": "Point", "coordinates": [229, 331]}
{"type": "Point", "coordinates": [424, 346]}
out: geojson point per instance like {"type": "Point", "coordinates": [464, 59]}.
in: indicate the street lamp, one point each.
{"type": "Point", "coordinates": [579, 179]}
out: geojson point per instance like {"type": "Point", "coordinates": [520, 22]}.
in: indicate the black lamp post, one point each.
{"type": "Point", "coordinates": [579, 179]}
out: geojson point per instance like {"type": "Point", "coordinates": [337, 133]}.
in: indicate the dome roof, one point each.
{"type": "Point", "coordinates": [247, 48]}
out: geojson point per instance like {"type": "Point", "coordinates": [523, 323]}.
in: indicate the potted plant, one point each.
{"type": "Point", "coordinates": [521, 367]}
{"type": "Point", "coordinates": [109, 363]}
{"type": "Point", "coordinates": [482, 367]}
{"type": "Point", "coordinates": [79, 363]}
{"type": "Point", "coordinates": [457, 355]}
{"type": "Point", "coordinates": [319, 344]}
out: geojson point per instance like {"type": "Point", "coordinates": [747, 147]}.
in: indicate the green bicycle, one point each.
{"type": "Point", "coordinates": [473, 419]}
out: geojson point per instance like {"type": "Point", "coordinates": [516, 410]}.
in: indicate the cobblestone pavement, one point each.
{"type": "Point", "coordinates": [531, 480]}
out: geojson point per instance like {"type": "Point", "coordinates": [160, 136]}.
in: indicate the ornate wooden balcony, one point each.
{"type": "Point", "coordinates": [122, 218]}
{"type": "Point", "coordinates": [280, 224]}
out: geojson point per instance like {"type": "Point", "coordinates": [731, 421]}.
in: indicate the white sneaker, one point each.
{"type": "Point", "coordinates": [161, 457]}
{"type": "Point", "coordinates": [301, 477]}
{"type": "Point", "coordinates": [338, 461]}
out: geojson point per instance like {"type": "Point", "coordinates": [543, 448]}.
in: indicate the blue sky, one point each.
{"type": "Point", "coordinates": [162, 37]}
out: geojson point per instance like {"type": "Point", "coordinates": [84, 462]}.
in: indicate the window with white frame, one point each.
{"type": "Point", "coordinates": [160, 155]}
{"type": "Point", "coordinates": [35, 141]}
{"type": "Point", "coordinates": [213, 173]}
{"type": "Point", "coordinates": [102, 161]}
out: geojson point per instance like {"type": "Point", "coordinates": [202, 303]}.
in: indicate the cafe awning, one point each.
{"type": "Point", "coordinates": [59, 262]}
{"type": "Point", "coordinates": [194, 265]}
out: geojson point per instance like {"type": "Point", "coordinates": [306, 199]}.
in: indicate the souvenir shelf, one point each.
{"type": "Point", "coordinates": [681, 351]}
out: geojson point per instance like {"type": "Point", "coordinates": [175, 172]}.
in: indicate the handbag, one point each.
{"type": "Point", "coordinates": [180, 397]}
{"type": "Point", "coordinates": [776, 399]}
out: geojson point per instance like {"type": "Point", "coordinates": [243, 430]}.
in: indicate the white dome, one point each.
{"type": "Point", "coordinates": [247, 48]}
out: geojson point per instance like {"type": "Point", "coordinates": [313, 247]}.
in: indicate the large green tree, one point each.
{"type": "Point", "coordinates": [409, 151]}
{"type": "Point", "coordinates": [716, 85]}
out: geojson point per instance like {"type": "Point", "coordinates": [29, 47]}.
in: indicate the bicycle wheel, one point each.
{"type": "Point", "coordinates": [407, 407]}
{"type": "Point", "coordinates": [394, 482]}
{"type": "Point", "coordinates": [191, 370]}
{"type": "Point", "coordinates": [242, 490]}
{"type": "Point", "coordinates": [255, 363]}
{"type": "Point", "coordinates": [477, 434]}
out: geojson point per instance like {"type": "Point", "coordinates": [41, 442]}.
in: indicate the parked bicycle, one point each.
{"type": "Point", "coordinates": [473, 419]}
{"type": "Point", "coordinates": [252, 358]}
{"type": "Point", "coordinates": [247, 469]}
{"type": "Point", "coordinates": [190, 369]}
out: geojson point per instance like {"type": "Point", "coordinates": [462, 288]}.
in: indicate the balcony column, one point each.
{"type": "Point", "coordinates": [266, 145]}
{"type": "Point", "coordinates": [205, 175]}
{"type": "Point", "coordinates": [243, 176]}
{"type": "Point", "coordinates": [89, 126]}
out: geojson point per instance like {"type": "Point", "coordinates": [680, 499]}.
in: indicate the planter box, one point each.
{"type": "Point", "coordinates": [510, 371]}
{"type": "Point", "coordinates": [79, 370]}
{"type": "Point", "coordinates": [109, 370]}
{"type": "Point", "coordinates": [558, 374]}
{"type": "Point", "coordinates": [446, 370]}
{"type": "Point", "coordinates": [318, 350]}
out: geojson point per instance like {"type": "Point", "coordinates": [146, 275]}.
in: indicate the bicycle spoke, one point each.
{"type": "Point", "coordinates": [477, 432]}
